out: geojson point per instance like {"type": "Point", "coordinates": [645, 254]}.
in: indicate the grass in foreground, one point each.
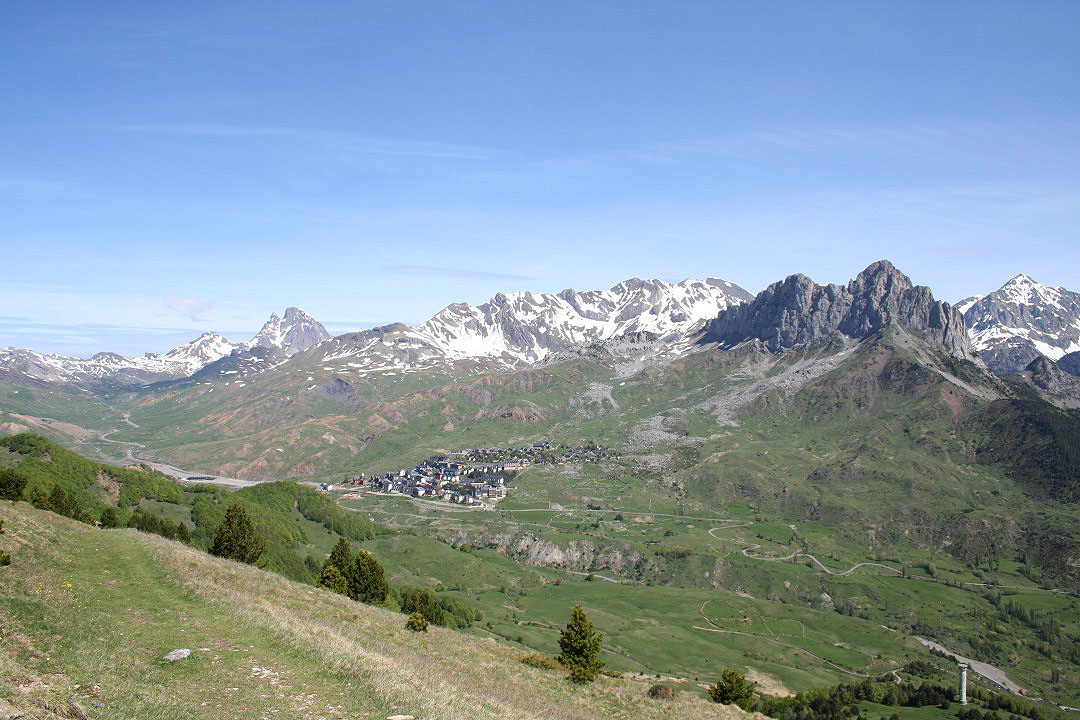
{"type": "Point", "coordinates": [87, 615]}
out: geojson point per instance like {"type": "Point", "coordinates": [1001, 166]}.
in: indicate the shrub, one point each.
{"type": "Point", "coordinates": [12, 484]}
{"type": "Point", "coordinates": [732, 688]}
{"type": "Point", "coordinates": [236, 539]}
{"type": "Point", "coordinates": [416, 623]}
{"type": "Point", "coordinates": [580, 644]}
{"type": "Point", "coordinates": [109, 518]}
{"type": "Point", "coordinates": [661, 692]}
{"type": "Point", "coordinates": [5, 558]}
{"type": "Point", "coordinates": [543, 662]}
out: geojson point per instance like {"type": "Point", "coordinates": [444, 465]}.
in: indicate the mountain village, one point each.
{"type": "Point", "coordinates": [472, 477]}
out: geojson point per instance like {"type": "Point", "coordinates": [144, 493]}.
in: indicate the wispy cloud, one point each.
{"type": "Point", "coordinates": [428, 271]}
{"type": "Point", "coordinates": [189, 307]}
{"type": "Point", "coordinates": [327, 139]}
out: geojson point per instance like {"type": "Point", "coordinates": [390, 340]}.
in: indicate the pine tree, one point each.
{"type": "Point", "coordinates": [332, 579]}
{"type": "Point", "coordinates": [12, 484]}
{"type": "Point", "coordinates": [341, 556]}
{"type": "Point", "coordinates": [367, 582]}
{"type": "Point", "coordinates": [733, 689]}
{"type": "Point", "coordinates": [580, 644]}
{"type": "Point", "coordinates": [236, 539]}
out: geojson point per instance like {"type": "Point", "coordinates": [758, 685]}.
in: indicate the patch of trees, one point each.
{"type": "Point", "coordinates": [44, 463]}
{"type": "Point", "coordinates": [147, 523]}
{"type": "Point", "coordinates": [841, 701]}
{"type": "Point", "coordinates": [318, 508]}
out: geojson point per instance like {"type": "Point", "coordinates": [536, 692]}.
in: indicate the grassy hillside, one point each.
{"type": "Point", "coordinates": [88, 614]}
{"type": "Point", "coordinates": [296, 522]}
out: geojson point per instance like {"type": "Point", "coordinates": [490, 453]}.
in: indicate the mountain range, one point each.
{"type": "Point", "coordinates": [1007, 329]}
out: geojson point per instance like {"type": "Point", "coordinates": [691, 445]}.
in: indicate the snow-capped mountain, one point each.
{"type": "Point", "coordinates": [297, 332]}
{"type": "Point", "coordinates": [520, 328]}
{"type": "Point", "coordinates": [204, 349]}
{"type": "Point", "coordinates": [181, 361]}
{"type": "Point", "coordinates": [526, 326]}
{"type": "Point", "coordinates": [279, 337]}
{"type": "Point", "coordinates": [1023, 319]}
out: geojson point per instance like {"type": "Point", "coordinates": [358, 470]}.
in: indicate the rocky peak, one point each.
{"type": "Point", "coordinates": [296, 333]}
{"type": "Point", "coordinates": [1022, 320]}
{"type": "Point", "coordinates": [797, 310]}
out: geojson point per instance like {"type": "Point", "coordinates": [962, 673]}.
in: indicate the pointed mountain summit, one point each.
{"type": "Point", "coordinates": [204, 349]}
{"type": "Point", "coordinates": [297, 332]}
{"type": "Point", "coordinates": [1022, 320]}
{"type": "Point", "coordinates": [797, 310]}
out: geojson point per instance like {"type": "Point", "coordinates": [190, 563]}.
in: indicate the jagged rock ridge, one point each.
{"type": "Point", "coordinates": [797, 310]}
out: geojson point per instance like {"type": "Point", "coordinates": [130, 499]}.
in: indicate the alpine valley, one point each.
{"type": "Point", "coordinates": [808, 484]}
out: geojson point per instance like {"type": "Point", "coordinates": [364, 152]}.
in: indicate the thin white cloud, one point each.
{"type": "Point", "coordinates": [189, 307]}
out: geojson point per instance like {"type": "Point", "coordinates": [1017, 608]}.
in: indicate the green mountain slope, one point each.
{"type": "Point", "coordinates": [88, 615]}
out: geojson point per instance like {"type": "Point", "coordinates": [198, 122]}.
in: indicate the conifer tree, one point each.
{"type": "Point", "coordinates": [341, 556]}
{"type": "Point", "coordinates": [367, 582]}
{"type": "Point", "coordinates": [580, 644]}
{"type": "Point", "coordinates": [182, 533]}
{"type": "Point", "coordinates": [12, 484]}
{"type": "Point", "coordinates": [332, 579]}
{"type": "Point", "coordinates": [733, 689]}
{"type": "Point", "coordinates": [236, 539]}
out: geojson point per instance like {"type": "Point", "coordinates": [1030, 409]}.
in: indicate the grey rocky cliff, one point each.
{"type": "Point", "coordinates": [797, 311]}
{"type": "Point", "coordinates": [1052, 383]}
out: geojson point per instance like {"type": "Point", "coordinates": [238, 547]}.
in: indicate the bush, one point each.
{"type": "Point", "coordinates": [661, 692]}
{"type": "Point", "coordinates": [12, 484]}
{"type": "Point", "coordinates": [580, 644]}
{"type": "Point", "coordinates": [543, 662]}
{"type": "Point", "coordinates": [109, 518]}
{"type": "Point", "coordinates": [5, 558]}
{"type": "Point", "coordinates": [416, 623]}
{"type": "Point", "coordinates": [732, 688]}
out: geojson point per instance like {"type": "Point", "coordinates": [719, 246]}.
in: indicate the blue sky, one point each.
{"type": "Point", "coordinates": [172, 167]}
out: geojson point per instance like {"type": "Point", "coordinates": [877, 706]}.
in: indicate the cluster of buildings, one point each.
{"type": "Point", "coordinates": [476, 476]}
{"type": "Point", "coordinates": [441, 478]}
